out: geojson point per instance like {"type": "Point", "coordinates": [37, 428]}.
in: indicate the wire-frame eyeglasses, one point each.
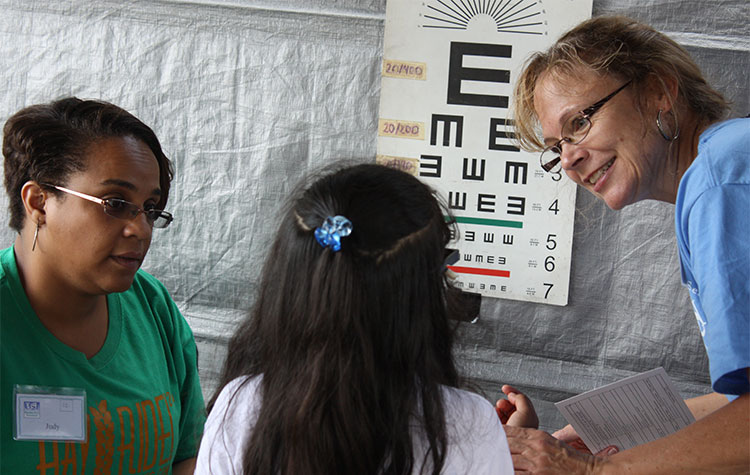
{"type": "Point", "coordinates": [574, 131]}
{"type": "Point", "coordinates": [121, 209]}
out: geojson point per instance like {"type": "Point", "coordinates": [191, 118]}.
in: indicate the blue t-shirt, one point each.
{"type": "Point", "coordinates": [712, 220]}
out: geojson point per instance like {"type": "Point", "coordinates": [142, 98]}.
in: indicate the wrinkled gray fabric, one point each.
{"type": "Point", "coordinates": [247, 96]}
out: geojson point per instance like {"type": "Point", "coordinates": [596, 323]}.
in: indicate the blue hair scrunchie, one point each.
{"type": "Point", "coordinates": [329, 233]}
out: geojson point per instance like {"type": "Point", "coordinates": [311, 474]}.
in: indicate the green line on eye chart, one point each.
{"type": "Point", "coordinates": [488, 222]}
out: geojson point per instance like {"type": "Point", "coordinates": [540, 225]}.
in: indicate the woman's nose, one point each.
{"type": "Point", "coordinates": [139, 226]}
{"type": "Point", "coordinates": [571, 155]}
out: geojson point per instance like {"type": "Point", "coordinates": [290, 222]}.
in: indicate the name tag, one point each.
{"type": "Point", "coordinates": [46, 413]}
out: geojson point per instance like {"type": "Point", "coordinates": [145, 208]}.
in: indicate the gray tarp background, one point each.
{"type": "Point", "coordinates": [247, 95]}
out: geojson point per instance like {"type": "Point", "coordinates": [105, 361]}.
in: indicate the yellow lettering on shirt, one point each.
{"type": "Point", "coordinates": [70, 459]}
{"type": "Point", "coordinates": [105, 438]}
{"type": "Point", "coordinates": [43, 464]}
{"type": "Point", "coordinates": [146, 407]}
{"type": "Point", "coordinates": [148, 424]}
{"type": "Point", "coordinates": [164, 456]}
{"type": "Point", "coordinates": [127, 439]}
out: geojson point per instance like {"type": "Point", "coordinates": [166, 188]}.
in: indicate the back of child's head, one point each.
{"type": "Point", "coordinates": [355, 337]}
{"type": "Point", "coordinates": [377, 301]}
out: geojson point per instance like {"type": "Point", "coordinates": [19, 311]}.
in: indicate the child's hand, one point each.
{"type": "Point", "coordinates": [517, 410]}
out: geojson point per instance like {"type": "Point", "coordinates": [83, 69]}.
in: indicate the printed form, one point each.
{"type": "Point", "coordinates": [627, 413]}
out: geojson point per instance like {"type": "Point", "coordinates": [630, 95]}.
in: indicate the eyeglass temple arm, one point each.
{"type": "Point", "coordinates": [80, 195]}
{"type": "Point", "coordinates": [596, 106]}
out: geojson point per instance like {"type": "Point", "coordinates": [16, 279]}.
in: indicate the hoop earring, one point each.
{"type": "Point", "coordinates": [663, 132]}
{"type": "Point", "coordinates": [36, 235]}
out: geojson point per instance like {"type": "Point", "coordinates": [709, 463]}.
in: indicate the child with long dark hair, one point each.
{"type": "Point", "coordinates": [345, 364]}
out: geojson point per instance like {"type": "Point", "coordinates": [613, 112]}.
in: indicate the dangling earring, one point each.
{"type": "Point", "coordinates": [664, 133]}
{"type": "Point", "coordinates": [36, 234]}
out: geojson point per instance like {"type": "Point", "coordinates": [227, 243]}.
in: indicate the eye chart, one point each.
{"type": "Point", "coordinates": [447, 80]}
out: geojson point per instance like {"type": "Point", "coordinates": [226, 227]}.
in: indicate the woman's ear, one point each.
{"type": "Point", "coordinates": [663, 89]}
{"type": "Point", "coordinates": [34, 199]}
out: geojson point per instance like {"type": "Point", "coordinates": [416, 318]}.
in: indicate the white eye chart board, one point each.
{"type": "Point", "coordinates": [447, 81]}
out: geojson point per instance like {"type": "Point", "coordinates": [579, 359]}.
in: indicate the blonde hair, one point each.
{"type": "Point", "coordinates": [620, 47]}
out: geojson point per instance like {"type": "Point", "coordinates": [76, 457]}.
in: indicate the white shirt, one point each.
{"type": "Point", "coordinates": [476, 439]}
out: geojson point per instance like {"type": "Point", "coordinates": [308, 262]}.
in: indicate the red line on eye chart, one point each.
{"type": "Point", "coordinates": [479, 271]}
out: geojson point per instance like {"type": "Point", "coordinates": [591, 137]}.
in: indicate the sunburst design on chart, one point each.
{"type": "Point", "coordinates": [509, 16]}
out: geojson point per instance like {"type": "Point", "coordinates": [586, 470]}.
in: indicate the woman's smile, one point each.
{"type": "Point", "coordinates": [594, 178]}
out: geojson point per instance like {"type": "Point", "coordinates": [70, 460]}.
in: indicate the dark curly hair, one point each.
{"type": "Point", "coordinates": [46, 143]}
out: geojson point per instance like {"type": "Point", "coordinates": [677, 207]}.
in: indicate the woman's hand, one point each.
{"type": "Point", "coordinates": [517, 410]}
{"type": "Point", "coordinates": [535, 451]}
{"type": "Point", "coordinates": [569, 436]}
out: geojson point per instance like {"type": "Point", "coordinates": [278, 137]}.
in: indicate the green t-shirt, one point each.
{"type": "Point", "coordinates": [145, 408]}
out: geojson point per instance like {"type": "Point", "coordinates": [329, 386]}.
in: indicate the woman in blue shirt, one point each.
{"type": "Point", "coordinates": [626, 114]}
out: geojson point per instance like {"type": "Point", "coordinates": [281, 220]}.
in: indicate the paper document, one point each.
{"type": "Point", "coordinates": [627, 413]}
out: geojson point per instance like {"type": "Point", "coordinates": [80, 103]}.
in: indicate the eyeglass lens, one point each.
{"type": "Point", "coordinates": [122, 209]}
{"type": "Point", "coordinates": [574, 131]}
{"type": "Point", "coordinates": [576, 128]}
{"type": "Point", "coordinates": [551, 161]}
